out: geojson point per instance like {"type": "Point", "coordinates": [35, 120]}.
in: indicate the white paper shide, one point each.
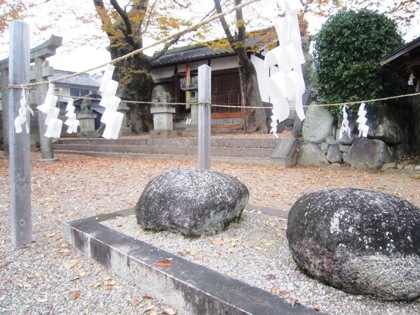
{"type": "Point", "coordinates": [72, 123]}
{"type": "Point", "coordinates": [362, 120]}
{"type": "Point", "coordinates": [287, 85]}
{"type": "Point", "coordinates": [49, 108]}
{"type": "Point", "coordinates": [22, 118]}
{"type": "Point", "coordinates": [345, 128]}
{"type": "Point", "coordinates": [111, 118]}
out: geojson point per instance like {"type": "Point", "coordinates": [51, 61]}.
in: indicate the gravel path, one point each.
{"type": "Point", "coordinates": [49, 277]}
{"type": "Point", "coordinates": [255, 251]}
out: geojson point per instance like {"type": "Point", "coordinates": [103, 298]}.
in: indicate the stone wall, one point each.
{"type": "Point", "coordinates": [321, 145]}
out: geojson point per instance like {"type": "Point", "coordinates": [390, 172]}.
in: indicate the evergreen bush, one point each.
{"type": "Point", "coordinates": [347, 52]}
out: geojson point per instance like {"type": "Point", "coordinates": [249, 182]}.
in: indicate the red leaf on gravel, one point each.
{"type": "Point", "coordinates": [164, 263]}
{"type": "Point", "coordinates": [76, 294]}
{"type": "Point", "coordinates": [134, 302]}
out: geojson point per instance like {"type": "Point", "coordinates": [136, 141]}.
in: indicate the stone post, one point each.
{"type": "Point", "coordinates": [162, 120]}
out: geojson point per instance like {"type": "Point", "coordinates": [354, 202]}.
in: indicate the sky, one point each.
{"type": "Point", "coordinates": [84, 45]}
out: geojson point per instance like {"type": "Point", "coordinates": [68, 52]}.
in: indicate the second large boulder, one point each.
{"type": "Point", "coordinates": [359, 241]}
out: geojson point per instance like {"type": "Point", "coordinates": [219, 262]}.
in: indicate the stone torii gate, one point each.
{"type": "Point", "coordinates": [40, 72]}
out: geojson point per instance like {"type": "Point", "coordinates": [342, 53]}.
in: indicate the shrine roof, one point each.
{"type": "Point", "coordinates": [79, 80]}
{"type": "Point", "coordinates": [208, 50]}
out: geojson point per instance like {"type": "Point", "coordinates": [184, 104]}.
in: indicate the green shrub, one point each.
{"type": "Point", "coordinates": [348, 49]}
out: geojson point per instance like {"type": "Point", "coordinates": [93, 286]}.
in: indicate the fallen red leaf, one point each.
{"type": "Point", "coordinates": [134, 302]}
{"type": "Point", "coordinates": [76, 294]}
{"type": "Point", "coordinates": [164, 263]}
{"type": "Point", "coordinates": [108, 287]}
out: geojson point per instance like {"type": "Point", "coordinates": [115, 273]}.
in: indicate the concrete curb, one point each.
{"type": "Point", "coordinates": [190, 288]}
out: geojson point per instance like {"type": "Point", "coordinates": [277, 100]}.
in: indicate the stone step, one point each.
{"type": "Point", "coordinates": [215, 142]}
{"type": "Point", "coordinates": [237, 150]}
{"type": "Point", "coordinates": [153, 149]}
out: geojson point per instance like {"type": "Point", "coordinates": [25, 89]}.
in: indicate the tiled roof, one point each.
{"type": "Point", "coordinates": [189, 53]}
{"type": "Point", "coordinates": [405, 59]}
{"type": "Point", "coordinates": [196, 52]}
{"type": "Point", "coordinates": [79, 80]}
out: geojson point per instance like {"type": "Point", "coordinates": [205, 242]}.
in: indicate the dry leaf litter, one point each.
{"type": "Point", "coordinates": [49, 277]}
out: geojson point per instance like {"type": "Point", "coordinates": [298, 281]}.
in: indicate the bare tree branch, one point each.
{"type": "Point", "coordinates": [223, 21]}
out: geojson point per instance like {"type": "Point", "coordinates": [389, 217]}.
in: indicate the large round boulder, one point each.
{"type": "Point", "coordinates": [359, 241]}
{"type": "Point", "coordinates": [190, 201]}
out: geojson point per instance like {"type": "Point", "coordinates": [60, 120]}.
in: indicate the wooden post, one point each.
{"type": "Point", "coordinates": [204, 116]}
{"type": "Point", "coordinates": [5, 104]}
{"type": "Point", "coordinates": [19, 143]}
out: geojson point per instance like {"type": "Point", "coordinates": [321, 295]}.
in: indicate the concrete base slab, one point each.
{"type": "Point", "coordinates": [188, 287]}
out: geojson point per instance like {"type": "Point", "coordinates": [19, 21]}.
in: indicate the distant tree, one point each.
{"type": "Point", "coordinates": [347, 53]}
{"type": "Point", "coordinates": [126, 28]}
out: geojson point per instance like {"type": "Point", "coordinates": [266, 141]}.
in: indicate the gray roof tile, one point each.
{"type": "Point", "coordinates": [196, 52]}
{"type": "Point", "coordinates": [80, 80]}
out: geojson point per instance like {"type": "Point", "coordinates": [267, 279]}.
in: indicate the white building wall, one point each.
{"type": "Point", "coordinates": [224, 63]}
{"type": "Point", "coordinates": [215, 64]}
{"type": "Point", "coordinates": [193, 65]}
{"type": "Point", "coordinates": [162, 73]}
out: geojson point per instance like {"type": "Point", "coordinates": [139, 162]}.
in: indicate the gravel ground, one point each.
{"type": "Point", "coordinates": [255, 251]}
{"type": "Point", "coordinates": [49, 277]}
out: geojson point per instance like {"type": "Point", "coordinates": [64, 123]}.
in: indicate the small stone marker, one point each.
{"type": "Point", "coordinates": [359, 241]}
{"type": "Point", "coordinates": [192, 202]}
{"type": "Point", "coordinates": [286, 150]}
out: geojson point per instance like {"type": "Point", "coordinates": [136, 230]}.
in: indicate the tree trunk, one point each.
{"type": "Point", "coordinates": [256, 121]}
{"type": "Point", "coordinates": [134, 77]}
